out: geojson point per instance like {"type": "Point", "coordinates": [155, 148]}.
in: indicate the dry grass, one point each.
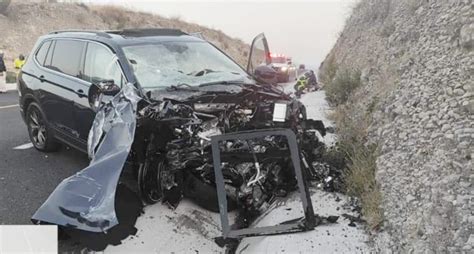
{"type": "Point", "coordinates": [342, 85]}
{"type": "Point", "coordinates": [360, 158]}
{"type": "Point", "coordinates": [4, 5]}
{"type": "Point", "coordinates": [116, 17]}
{"type": "Point", "coordinates": [328, 70]}
{"type": "Point", "coordinates": [371, 208]}
{"type": "Point", "coordinates": [359, 177]}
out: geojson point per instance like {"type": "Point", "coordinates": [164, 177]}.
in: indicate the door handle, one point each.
{"type": "Point", "coordinates": [80, 93]}
{"type": "Point", "coordinates": [41, 78]}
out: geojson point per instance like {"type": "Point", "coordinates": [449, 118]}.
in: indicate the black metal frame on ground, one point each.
{"type": "Point", "coordinates": [309, 221]}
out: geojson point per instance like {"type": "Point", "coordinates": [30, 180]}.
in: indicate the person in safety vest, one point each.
{"type": "Point", "coordinates": [301, 85]}
{"type": "Point", "coordinates": [19, 62]}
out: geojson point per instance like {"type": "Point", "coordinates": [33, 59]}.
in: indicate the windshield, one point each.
{"type": "Point", "coordinates": [175, 63]}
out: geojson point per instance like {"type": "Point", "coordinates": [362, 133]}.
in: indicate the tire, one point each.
{"type": "Point", "coordinates": [149, 176]}
{"type": "Point", "coordinates": [39, 131]}
{"type": "Point", "coordinates": [205, 194]}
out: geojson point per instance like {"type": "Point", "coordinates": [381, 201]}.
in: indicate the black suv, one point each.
{"type": "Point", "coordinates": [55, 81]}
{"type": "Point", "coordinates": [170, 106]}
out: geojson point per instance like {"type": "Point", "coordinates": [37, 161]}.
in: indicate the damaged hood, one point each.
{"type": "Point", "coordinates": [197, 93]}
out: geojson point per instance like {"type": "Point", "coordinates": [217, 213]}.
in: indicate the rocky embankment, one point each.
{"type": "Point", "coordinates": [25, 21]}
{"type": "Point", "coordinates": [417, 69]}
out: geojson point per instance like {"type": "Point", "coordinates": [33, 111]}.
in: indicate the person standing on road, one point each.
{"type": "Point", "coordinates": [19, 62]}
{"type": "Point", "coordinates": [313, 80]}
{"type": "Point", "coordinates": [3, 75]}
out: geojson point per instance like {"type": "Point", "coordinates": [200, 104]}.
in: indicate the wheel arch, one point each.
{"type": "Point", "coordinates": [27, 102]}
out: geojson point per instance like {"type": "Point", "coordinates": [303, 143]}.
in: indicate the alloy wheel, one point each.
{"type": "Point", "coordinates": [37, 128]}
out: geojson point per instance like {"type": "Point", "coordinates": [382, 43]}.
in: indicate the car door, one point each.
{"type": "Point", "coordinates": [259, 53]}
{"type": "Point", "coordinates": [100, 63]}
{"type": "Point", "coordinates": [61, 85]}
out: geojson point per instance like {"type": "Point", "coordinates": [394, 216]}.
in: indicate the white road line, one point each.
{"type": "Point", "coordinates": [9, 106]}
{"type": "Point", "coordinates": [24, 146]}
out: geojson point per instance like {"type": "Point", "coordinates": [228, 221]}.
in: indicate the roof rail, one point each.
{"type": "Point", "coordinates": [198, 35]}
{"type": "Point", "coordinates": [144, 32]}
{"type": "Point", "coordinates": [98, 33]}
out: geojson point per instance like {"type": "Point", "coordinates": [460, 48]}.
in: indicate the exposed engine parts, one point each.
{"type": "Point", "coordinates": [178, 148]}
{"type": "Point", "coordinates": [169, 143]}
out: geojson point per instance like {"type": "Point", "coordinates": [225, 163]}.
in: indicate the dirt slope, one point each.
{"type": "Point", "coordinates": [24, 22]}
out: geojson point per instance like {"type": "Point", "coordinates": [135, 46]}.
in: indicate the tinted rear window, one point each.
{"type": "Point", "coordinates": [67, 57]}
{"type": "Point", "coordinates": [41, 54]}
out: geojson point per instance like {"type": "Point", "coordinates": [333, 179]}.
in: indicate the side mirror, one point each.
{"type": "Point", "coordinates": [266, 74]}
{"type": "Point", "coordinates": [108, 87]}
{"type": "Point", "coordinates": [98, 91]}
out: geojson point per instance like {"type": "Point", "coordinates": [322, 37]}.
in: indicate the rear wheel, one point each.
{"type": "Point", "coordinates": [38, 129]}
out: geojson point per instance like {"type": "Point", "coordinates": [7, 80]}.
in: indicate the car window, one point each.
{"type": "Point", "coordinates": [101, 64]}
{"type": "Point", "coordinates": [258, 56]}
{"type": "Point", "coordinates": [67, 57]}
{"type": "Point", "coordinates": [49, 56]}
{"type": "Point", "coordinates": [41, 53]}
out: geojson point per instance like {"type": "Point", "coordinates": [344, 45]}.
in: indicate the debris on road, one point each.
{"type": "Point", "coordinates": [336, 237]}
{"type": "Point", "coordinates": [259, 136]}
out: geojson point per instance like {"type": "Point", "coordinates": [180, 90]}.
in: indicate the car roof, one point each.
{"type": "Point", "coordinates": [127, 37]}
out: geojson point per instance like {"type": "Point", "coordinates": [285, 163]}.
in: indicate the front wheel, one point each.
{"type": "Point", "coordinates": [150, 175]}
{"type": "Point", "coordinates": [38, 129]}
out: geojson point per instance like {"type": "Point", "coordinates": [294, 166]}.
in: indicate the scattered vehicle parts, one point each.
{"type": "Point", "coordinates": [262, 185]}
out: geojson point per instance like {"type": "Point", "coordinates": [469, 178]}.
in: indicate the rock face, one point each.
{"type": "Point", "coordinates": [417, 64]}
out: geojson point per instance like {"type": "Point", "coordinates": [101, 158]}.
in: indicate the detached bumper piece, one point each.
{"type": "Point", "coordinates": [309, 221]}
{"type": "Point", "coordinates": [86, 200]}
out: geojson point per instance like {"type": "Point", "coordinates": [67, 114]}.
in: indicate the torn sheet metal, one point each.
{"type": "Point", "coordinates": [307, 223]}
{"type": "Point", "coordinates": [86, 200]}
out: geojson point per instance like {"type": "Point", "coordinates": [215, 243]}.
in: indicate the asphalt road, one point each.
{"type": "Point", "coordinates": [27, 176]}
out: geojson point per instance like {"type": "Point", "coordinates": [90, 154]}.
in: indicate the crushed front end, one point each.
{"type": "Point", "coordinates": [166, 137]}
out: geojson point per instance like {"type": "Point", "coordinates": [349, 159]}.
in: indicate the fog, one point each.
{"type": "Point", "coordinates": [304, 30]}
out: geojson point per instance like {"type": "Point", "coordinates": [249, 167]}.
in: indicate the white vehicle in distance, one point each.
{"type": "Point", "coordinates": [283, 66]}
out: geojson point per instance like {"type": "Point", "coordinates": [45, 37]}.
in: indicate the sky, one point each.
{"type": "Point", "coordinates": [303, 29]}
